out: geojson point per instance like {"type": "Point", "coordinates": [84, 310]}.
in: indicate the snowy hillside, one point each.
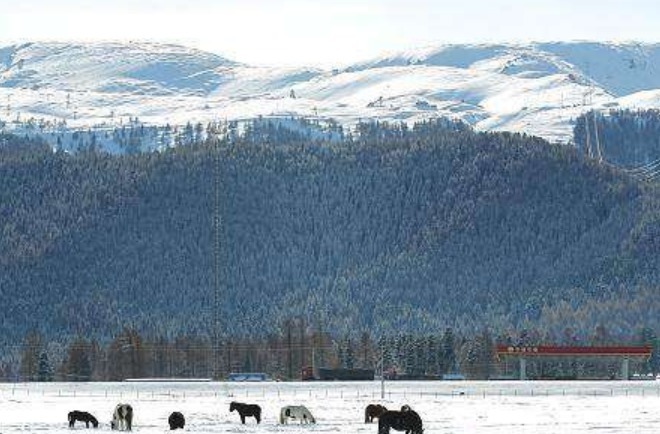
{"type": "Point", "coordinates": [533, 88]}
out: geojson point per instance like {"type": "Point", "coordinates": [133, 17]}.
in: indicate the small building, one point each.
{"type": "Point", "coordinates": [549, 362]}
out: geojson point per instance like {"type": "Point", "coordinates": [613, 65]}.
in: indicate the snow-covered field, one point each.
{"type": "Point", "coordinates": [445, 407]}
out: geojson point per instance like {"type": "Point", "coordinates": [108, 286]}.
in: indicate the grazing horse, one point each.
{"type": "Point", "coordinates": [405, 420]}
{"type": "Point", "coordinates": [245, 410]}
{"type": "Point", "coordinates": [299, 412]}
{"type": "Point", "coordinates": [373, 411]}
{"type": "Point", "coordinates": [82, 416]}
{"type": "Point", "coordinates": [176, 420]}
{"type": "Point", "coordinates": [122, 418]}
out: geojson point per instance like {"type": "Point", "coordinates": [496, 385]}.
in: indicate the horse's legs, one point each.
{"type": "Point", "coordinates": [383, 428]}
{"type": "Point", "coordinates": [86, 424]}
{"type": "Point", "coordinates": [258, 417]}
{"type": "Point", "coordinates": [243, 419]}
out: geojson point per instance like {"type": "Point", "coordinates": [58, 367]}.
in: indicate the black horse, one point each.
{"type": "Point", "coordinates": [405, 420]}
{"type": "Point", "coordinates": [373, 411]}
{"type": "Point", "coordinates": [82, 416]}
{"type": "Point", "coordinates": [176, 420]}
{"type": "Point", "coordinates": [245, 410]}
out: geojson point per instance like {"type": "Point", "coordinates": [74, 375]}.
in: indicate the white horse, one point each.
{"type": "Point", "coordinates": [122, 418]}
{"type": "Point", "coordinates": [296, 412]}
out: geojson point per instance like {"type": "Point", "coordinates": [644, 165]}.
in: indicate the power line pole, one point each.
{"type": "Point", "coordinates": [217, 260]}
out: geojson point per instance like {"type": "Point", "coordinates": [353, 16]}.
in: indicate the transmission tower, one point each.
{"type": "Point", "coordinates": [219, 261]}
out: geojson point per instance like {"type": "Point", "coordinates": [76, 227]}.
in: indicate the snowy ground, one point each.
{"type": "Point", "coordinates": [445, 407]}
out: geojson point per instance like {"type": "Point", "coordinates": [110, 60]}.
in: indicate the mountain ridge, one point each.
{"type": "Point", "coordinates": [536, 88]}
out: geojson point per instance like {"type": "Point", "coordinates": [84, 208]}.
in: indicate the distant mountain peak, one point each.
{"type": "Point", "coordinates": [536, 88]}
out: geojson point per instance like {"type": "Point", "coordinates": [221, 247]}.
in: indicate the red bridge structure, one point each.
{"type": "Point", "coordinates": [573, 362]}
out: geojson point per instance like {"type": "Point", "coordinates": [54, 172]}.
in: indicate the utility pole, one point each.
{"type": "Point", "coordinates": [382, 376]}
{"type": "Point", "coordinates": [217, 259]}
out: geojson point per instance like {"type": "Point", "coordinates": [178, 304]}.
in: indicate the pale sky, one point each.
{"type": "Point", "coordinates": [326, 33]}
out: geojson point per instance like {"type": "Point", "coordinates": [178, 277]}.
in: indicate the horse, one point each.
{"type": "Point", "coordinates": [373, 411]}
{"type": "Point", "coordinates": [405, 420]}
{"type": "Point", "coordinates": [82, 416]}
{"type": "Point", "coordinates": [296, 412]}
{"type": "Point", "coordinates": [176, 420]}
{"type": "Point", "coordinates": [245, 410]}
{"type": "Point", "coordinates": [122, 418]}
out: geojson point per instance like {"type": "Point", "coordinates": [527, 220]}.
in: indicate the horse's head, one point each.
{"type": "Point", "coordinates": [232, 406]}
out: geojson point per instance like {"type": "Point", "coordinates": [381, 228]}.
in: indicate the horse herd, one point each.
{"type": "Point", "coordinates": [404, 420]}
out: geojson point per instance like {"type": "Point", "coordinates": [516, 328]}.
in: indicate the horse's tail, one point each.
{"type": "Point", "coordinates": [366, 415]}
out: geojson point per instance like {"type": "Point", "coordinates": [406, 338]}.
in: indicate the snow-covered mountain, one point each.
{"type": "Point", "coordinates": [535, 88]}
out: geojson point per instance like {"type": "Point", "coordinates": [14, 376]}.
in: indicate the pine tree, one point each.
{"type": "Point", "coordinates": [32, 348]}
{"type": "Point", "coordinates": [448, 360]}
{"type": "Point", "coordinates": [45, 369]}
{"type": "Point", "coordinates": [78, 366]}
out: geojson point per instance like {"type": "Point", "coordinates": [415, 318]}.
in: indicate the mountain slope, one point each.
{"type": "Point", "coordinates": [112, 68]}
{"type": "Point", "coordinates": [534, 88]}
{"type": "Point", "coordinates": [399, 230]}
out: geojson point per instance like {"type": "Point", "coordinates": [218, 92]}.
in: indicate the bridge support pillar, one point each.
{"type": "Point", "coordinates": [625, 369]}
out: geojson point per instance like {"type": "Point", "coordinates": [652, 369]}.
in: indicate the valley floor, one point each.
{"type": "Point", "coordinates": [445, 407]}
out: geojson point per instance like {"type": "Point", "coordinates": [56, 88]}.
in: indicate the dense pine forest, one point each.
{"type": "Point", "coordinates": [628, 138]}
{"type": "Point", "coordinates": [388, 231]}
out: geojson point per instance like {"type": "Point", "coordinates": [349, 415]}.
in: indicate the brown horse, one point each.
{"type": "Point", "coordinates": [405, 420]}
{"type": "Point", "coordinates": [82, 416]}
{"type": "Point", "coordinates": [245, 410]}
{"type": "Point", "coordinates": [373, 411]}
{"type": "Point", "coordinates": [176, 420]}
